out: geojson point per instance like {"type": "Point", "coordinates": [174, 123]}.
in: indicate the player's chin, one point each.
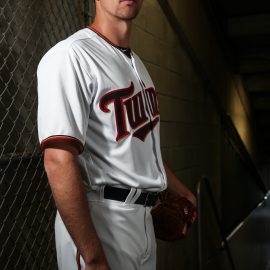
{"type": "Point", "coordinates": [128, 18]}
{"type": "Point", "coordinates": [128, 15]}
{"type": "Point", "coordinates": [131, 18]}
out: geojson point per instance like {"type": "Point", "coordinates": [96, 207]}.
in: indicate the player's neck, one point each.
{"type": "Point", "coordinates": [118, 33]}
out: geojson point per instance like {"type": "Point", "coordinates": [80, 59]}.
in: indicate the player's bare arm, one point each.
{"type": "Point", "coordinates": [67, 187]}
{"type": "Point", "coordinates": [175, 185]}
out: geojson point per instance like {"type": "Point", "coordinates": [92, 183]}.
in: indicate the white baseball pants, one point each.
{"type": "Point", "coordinates": [125, 230]}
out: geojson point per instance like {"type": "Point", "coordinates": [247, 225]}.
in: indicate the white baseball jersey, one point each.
{"type": "Point", "coordinates": [94, 96]}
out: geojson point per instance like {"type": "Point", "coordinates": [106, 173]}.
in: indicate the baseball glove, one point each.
{"type": "Point", "coordinates": [172, 216]}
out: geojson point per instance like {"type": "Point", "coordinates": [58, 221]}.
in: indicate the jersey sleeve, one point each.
{"type": "Point", "coordinates": [64, 99]}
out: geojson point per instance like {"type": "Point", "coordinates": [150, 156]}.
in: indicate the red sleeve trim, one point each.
{"type": "Point", "coordinates": [53, 140]}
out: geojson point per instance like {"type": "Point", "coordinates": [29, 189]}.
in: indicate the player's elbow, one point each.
{"type": "Point", "coordinates": [56, 161]}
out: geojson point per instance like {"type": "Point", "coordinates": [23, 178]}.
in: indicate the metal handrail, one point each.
{"type": "Point", "coordinates": [218, 220]}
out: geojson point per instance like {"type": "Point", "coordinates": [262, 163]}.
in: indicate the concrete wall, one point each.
{"type": "Point", "coordinates": [190, 123]}
{"type": "Point", "coordinates": [229, 88]}
{"type": "Point", "coordinates": [190, 128]}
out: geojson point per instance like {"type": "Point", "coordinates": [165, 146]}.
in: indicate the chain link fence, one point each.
{"type": "Point", "coordinates": [28, 28]}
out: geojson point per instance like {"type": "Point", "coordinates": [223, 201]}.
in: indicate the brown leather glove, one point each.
{"type": "Point", "coordinates": [172, 216]}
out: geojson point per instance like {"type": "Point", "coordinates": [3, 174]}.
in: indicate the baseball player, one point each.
{"type": "Point", "coordinates": [98, 123]}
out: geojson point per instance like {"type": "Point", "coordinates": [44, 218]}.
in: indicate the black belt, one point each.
{"type": "Point", "coordinates": [120, 194]}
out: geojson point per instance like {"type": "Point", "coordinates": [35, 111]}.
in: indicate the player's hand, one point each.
{"type": "Point", "coordinates": [192, 199]}
{"type": "Point", "coordinates": [100, 264]}
{"type": "Point", "coordinates": [99, 261]}
{"type": "Point", "coordinates": [97, 266]}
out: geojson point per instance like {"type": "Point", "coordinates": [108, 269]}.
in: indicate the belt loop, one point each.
{"type": "Point", "coordinates": [130, 196]}
{"type": "Point", "coordinates": [101, 192]}
{"type": "Point", "coordinates": [146, 199]}
{"type": "Point", "coordinates": [137, 195]}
